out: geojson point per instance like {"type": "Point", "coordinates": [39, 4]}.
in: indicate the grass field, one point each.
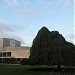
{"type": "Point", "coordinates": [28, 70]}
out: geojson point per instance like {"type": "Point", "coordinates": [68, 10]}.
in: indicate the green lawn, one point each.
{"type": "Point", "coordinates": [26, 70]}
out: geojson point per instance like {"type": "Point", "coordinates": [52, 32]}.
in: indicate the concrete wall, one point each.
{"type": "Point", "coordinates": [1, 43]}
{"type": "Point", "coordinates": [14, 48]}
{"type": "Point", "coordinates": [17, 54]}
{"type": "Point", "coordinates": [6, 42]}
{"type": "Point", "coordinates": [20, 54]}
{"type": "Point", "coordinates": [17, 51]}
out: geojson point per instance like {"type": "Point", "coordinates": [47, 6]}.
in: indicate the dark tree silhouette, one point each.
{"type": "Point", "coordinates": [51, 48]}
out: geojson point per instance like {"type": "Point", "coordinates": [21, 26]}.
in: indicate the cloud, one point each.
{"type": "Point", "coordinates": [26, 3]}
{"type": "Point", "coordinates": [62, 3]}
{"type": "Point", "coordinates": [11, 35]}
{"type": "Point", "coordinates": [25, 12]}
{"type": "Point", "coordinates": [67, 2]}
{"type": "Point", "coordinates": [8, 31]}
{"type": "Point", "coordinates": [10, 2]}
{"type": "Point", "coordinates": [5, 27]}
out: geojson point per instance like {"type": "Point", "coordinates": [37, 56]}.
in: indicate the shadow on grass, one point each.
{"type": "Point", "coordinates": [53, 69]}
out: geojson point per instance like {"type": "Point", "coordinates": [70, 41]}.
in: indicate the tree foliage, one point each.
{"type": "Point", "coordinates": [51, 48]}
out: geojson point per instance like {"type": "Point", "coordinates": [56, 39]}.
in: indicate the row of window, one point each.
{"type": "Point", "coordinates": [5, 54]}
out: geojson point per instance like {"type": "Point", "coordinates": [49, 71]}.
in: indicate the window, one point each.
{"type": "Point", "coordinates": [4, 54]}
{"type": "Point", "coordinates": [12, 42]}
{"type": "Point", "coordinates": [0, 54]}
{"type": "Point", "coordinates": [8, 54]}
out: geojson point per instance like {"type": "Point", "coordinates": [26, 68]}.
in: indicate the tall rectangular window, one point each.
{"type": "Point", "coordinates": [0, 54]}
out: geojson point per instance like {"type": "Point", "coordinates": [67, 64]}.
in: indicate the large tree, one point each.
{"type": "Point", "coordinates": [51, 48]}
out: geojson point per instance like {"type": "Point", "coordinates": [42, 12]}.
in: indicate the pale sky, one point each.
{"type": "Point", "coordinates": [22, 19]}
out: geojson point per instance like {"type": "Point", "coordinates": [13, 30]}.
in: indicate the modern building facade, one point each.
{"type": "Point", "coordinates": [10, 48]}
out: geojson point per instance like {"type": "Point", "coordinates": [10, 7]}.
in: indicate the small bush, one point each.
{"type": "Point", "coordinates": [24, 62]}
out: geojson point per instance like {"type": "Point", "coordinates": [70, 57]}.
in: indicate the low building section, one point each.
{"type": "Point", "coordinates": [15, 52]}
{"type": "Point", "coordinates": [10, 48]}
